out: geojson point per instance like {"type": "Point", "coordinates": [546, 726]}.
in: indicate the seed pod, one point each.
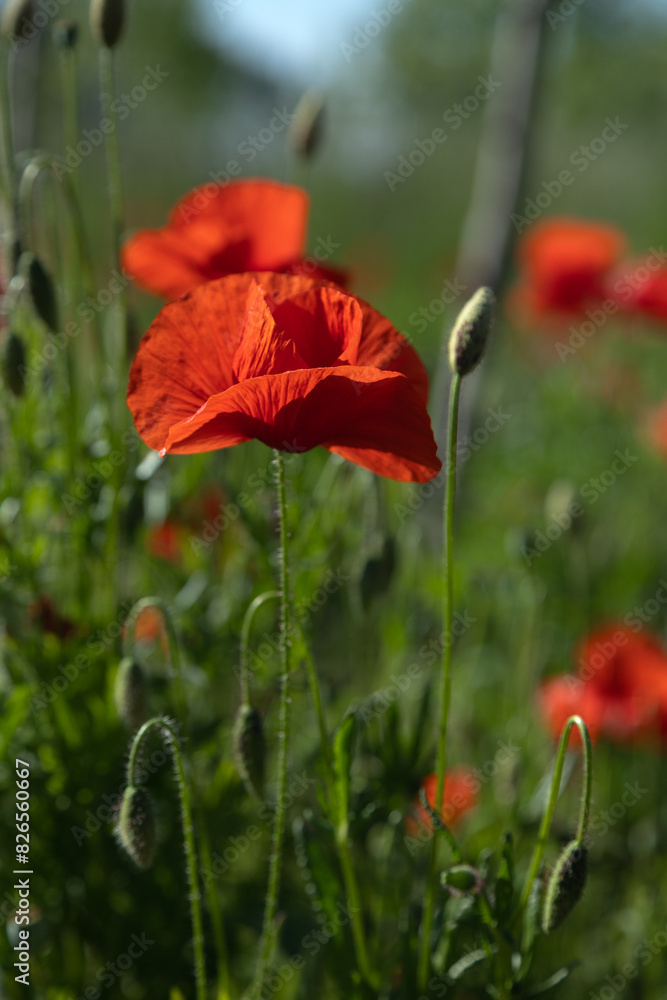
{"type": "Point", "coordinates": [17, 19]}
{"type": "Point", "coordinates": [14, 364]}
{"type": "Point", "coordinates": [249, 749]}
{"type": "Point", "coordinates": [107, 20]}
{"type": "Point", "coordinates": [131, 694]}
{"type": "Point", "coordinates": [136, 826]}
{"type": "Point", "coordinates": [565, 885]}
{"type": "Point", "coordinates": [40, 287]}
{"type": "Point", "coordinates": [470, 334]}
{"type": "Point", "coordinates": [306, 128]}
{"type": "Point", "coordinates": [65, 34]}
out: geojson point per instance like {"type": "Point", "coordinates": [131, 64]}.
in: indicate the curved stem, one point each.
{"type": "Point", "coordinates": [169, 735]}
{"type": "Point", "coordinates": [278, 834]}
{"type": "Point", "coordinates": [584, 815]}
{"type": "Point", "coordinates": [248, 618]}
{"type": "Point", "coordinates": [174, 653]}
{"type": "Point", "coordinates": [445, 690]}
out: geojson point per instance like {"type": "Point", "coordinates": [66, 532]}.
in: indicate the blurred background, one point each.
{"type": "Point", "coordinates": [390, 75]}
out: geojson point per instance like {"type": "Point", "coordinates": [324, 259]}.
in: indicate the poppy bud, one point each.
{"type": "Point", "coordinates": [462, 880]}
{"type": "Point", "coordinates": [14, 364]}
{"type": "Point", "coordinates": [41, 289]}
{"type": "Point", "coordinates": [107, 20]}
{"type": "Point", "coordinates": [130, 694]}
{"type": "Point", "coordinates": [471, 331]}
{"type": "Point", "coordinates": [17, 19]}
{"type": "Point", "coordinates": [305, 130]}
{"type": "Point", "coordinates": [65, 34]}
{"type": "Point", "coordinates": [249, 748]}
{"type": "Point", "coordinates": [565, 885]}
{"type": "Point", "coordinates": [136, 826]}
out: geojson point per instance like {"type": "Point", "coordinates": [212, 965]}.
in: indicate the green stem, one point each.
{"type": "Point", "coordinates": [107, 93]}
{"type": "Point", "coordinates": [170, 737]}
{"type": "Point", "coordinates": [585, 811]}
{"type": "Point", "coordinates": [172, 640]}
{"type": "Point", "coordinates": [216, 917]}
{"type": "Point", "coordinates": [278, 834]}
{"type": "Point", "coordinates": [7, 175]}
{"type": "Point", "coordinates": [248, 618]}
{"type": "Point", "coordinates": [342, 844]}
{"type": "Point", "coordinates": [445, 691]}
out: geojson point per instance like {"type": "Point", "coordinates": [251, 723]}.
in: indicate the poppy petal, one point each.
{"type": "Point", "coordinates": [325, 323]}
{"type": "Point", "coordinates": [374, 418]}
{"type": "Point", "coordinates": [264, 350]}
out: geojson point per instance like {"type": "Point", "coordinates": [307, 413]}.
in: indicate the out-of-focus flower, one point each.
{"type": "Point", "coordinates": [44, 612]}
{"type": "Point", "coordinates": [656, 427]}
{"type": "Point", "coordinates": [289, 361]}
{"type": "Point", "coordinates": [246, 225]}
{"type": "Point", "coordinates": [620, 691]}
{"type": "Point", "coordinates": [166, 541]}
{"type": "Point", "coordinates": [460, 796]}
{"type": "Point", "coordinates": [565, 264]}
{"type": "Point", "coordinates": [640, 287]}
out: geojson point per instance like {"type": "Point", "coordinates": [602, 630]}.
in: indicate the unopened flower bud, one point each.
{"type": "Point", "coordinates": [249, 748]}
{"type": "Point", "coordinates": [40, 287]}
{"type": "Point", "coordinates": [462, 880]}
{"type": "Point", "coordinates": [107, 20]}
{"type": "Point", "coordinates": [13, 364]}
{"type": "Point", "coordinates": [136, 826]}
{"type": "Point", "coordinates": [565, 885]}
{"type": "Point", "coordinates": [472, 327]}
{"type": "Point", "coordinates": [306, 128]}
{"type": "Point", "coordinates": [65, 34]}
{"type": "Point", "coordinates": [17, 19]}
{"type": "Point", "coordinates": [130, 694]}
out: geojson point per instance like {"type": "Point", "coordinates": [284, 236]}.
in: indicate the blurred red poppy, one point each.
{"type": "Point", "coordinates": [460, 795]}
{"type": "Point", "coordinates": [621, 690]}
{"type": "Point", "coordinates": [165, 541]}
{"type": "Point", "coordinates": [290, 361]}
{"type": "Point", "coordinates": [656, 427]}
{"type": "Point", "coordinates": [641, 287]}
{"type": "Point", "coordinates": [247, 225]}
{"type": "Point", "coordinates": [565, 264]}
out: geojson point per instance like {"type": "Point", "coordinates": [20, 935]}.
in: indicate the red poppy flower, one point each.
{"type": "Point", "coordinates": [289, 361]}
{"type": "Point", "coordinates": [641, 287]}
{"type": "Point", "coordinates": [249, 225]}
{"type": "Point", "coordinates": [565, 265]}
{"type": "Point", "coordinates": [460, 795]}
{"type": "Point", "coordinates": [621, 690]}
{"type": "Point", "coordinates": [165, 541]}
{"type": "Point", "coordinates": [656, 427]}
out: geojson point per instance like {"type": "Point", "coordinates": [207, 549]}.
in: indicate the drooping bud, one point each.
{"type": "Point", "coordinates": [136, 826]}
{"type": "Point", "coordinates": [131, 694]}
{"type": "Point", "coordinates": [249, 748]}
{"type": "Point", "coordinates": [13, 364]}
{"type": "Point", "coordinates": [17, 22]}
{"type": "Point", "coordinates": [40, 287]}
{"type": "Point", "coordinates": [462, 880]}
{"type": "Point", "coordinates": [107, 20]}
{"type": "Point", "coordinates": [306, 128]}
{"type": "Point", "coordinates": [565, 885]}
{"type": "Point", "coordinates": [65, 34]}
{"type": "Point", "coordinates": [470, 333]}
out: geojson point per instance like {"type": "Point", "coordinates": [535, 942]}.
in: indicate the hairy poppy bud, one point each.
{"type": "Point", "coordinates": [565, 885]}
{"type": "Point", "coordinates": [40, 286]}
{"type": "Point", "coordinates": [107, 20]}
{"type": "Point", "coordinates": [136, 826]}
{"type": "Point", "coordinates": [130, 694]}
{"type": "Point", "coordinates": [17, 19]}
{"type": "Point", "coordinates": [13, 364]}
{"type": "Point", "coordinates": [462, 880]}
{"type": "Point", "coordinates": [468, 338]}
{"type": "Point", "coordinates": [306, 127]}
{"type": "Point", "coordinates": [65, 34]}
{"type": "Point", "coordinates": [249, 749]}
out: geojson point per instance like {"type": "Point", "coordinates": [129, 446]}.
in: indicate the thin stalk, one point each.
{"type": "Point", "coordinates": [445, 691]}
{"type": "Point", "coordinates": [8, 174]}
{"type": "Point", "coordinates": [170, 737]}
{"type": "Point", "coordinates": [342, 845]}
{"type": "Point", "coordinates": [585, 810]}
{"type": "Point", "coordinates": [216, 917]}
{"type": "Point", "coordinates": [248, 618]}
{"type": "Point", "coordinates": [278, 833]}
